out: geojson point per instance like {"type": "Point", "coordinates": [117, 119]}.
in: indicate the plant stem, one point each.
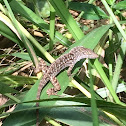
{"type": "Point", "coordinates": [93, 101]}
{"type": "Point", "coordinates": [119, 65]}
{"type": "Point", "coordinates": [52, 26]}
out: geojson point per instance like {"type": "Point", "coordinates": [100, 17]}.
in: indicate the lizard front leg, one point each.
{"type": "Point", "coordinates": [42, 67]}
{"type": "Point", "coordinates": [54, 81]}
{"type": "Point", "coordinates": [53, 91]}
{"type": "Point", "coordinates": [69, 70]}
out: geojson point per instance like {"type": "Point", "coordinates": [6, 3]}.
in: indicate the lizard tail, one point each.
{"type": "Point", "coordinates": [37, 105]}
{"type": "Point", "coordinates": [40, 87]}
{"type": "Point", "coordinates": [37, 113]}
{"type": "Point", "coordinates": [37, 119]}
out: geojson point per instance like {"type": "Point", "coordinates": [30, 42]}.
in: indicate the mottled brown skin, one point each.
{"type": "Point", "coordinates": [66, 60]}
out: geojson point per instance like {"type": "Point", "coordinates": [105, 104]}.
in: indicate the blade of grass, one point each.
{"type": "Point", "coordinates": [12, 97]}
{"type": "Point", "coordinates": [52, 26]}
{"type": "Point", "coordinates": [81, 88]}
{"type": "Point", "coordinates": [54, 123]}
{"type": "Point", "coordinates": [115, 109]}
{"type": "Point", "coordinates": [111, 59]}
{"type": "Point", "coordinates": [67, 19]}
{"type": "Point", "coordinates": [91, 1]}
{"type": "Point", "coordinates": [118, 66]}
{"type": "Point", "coordinates": [5, 31]}
{"type": "Point", "coordinates": [93, 101]}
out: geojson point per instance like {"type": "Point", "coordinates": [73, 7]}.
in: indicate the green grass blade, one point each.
{"type": "Point", "coordinates": [119, 65]}
{"type": "Point", "coordinates": [93, 100]}
{"type": "Point", "coordinates": [71, 104]}
{"type": "Point", "coordinates": [52, 27]}
{"type": "Point", "coordinates": [5, 31]}
{"type": "Point", "coordinates": [67, 19]}
{"type": "Point", "coordinates": [91, 12]}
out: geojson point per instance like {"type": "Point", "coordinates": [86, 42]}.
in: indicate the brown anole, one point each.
{"type": "Point", "coordinates": [66, 60]}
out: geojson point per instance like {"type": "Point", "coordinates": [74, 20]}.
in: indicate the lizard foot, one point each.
{"type": "Point", "coordinates": [71, 76]}
{"type": "Point", "coordinates": [51, 91]}
{"type": "Point", "coordinates": [37, 70]}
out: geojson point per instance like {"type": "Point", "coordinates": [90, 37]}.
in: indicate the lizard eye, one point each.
{"type": "Point", "coordinates": [71, 56]}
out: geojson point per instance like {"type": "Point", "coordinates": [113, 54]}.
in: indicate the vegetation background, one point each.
{"type": "Point", "coordinates": [46, 29]}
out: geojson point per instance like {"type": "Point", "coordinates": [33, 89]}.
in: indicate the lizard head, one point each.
{"type": "Point", "coordinates": [82, 52]}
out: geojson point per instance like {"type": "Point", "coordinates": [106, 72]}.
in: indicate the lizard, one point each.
{"type": "Point", "coordinates": [50, 72]}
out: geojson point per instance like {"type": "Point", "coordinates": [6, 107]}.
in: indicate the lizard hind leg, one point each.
{"type": "Point", "coordinates": [53, 91]}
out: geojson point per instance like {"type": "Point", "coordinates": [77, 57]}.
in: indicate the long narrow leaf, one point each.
{"type": "Point", "coordinates": [67, 19]}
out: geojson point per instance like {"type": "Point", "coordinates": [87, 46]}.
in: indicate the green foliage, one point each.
{"type": "Point", "coordinates": [70, 110]}
{"type": "Point", "coordinates": [6, 89]}
{"type": "Point", "coordinates": [120, 6]}
{"type": "Point", "coordinates": [110, 2]}
{"type": "Point", "coordinates": [91, 12]}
